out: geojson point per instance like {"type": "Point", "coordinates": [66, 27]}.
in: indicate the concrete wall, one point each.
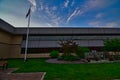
{"type": "Point", "coordinates": [5, 39]}
{"type": "Point", "coordinates": [10, 45]}
{"type": "Point", "coordinates": [15, 48]}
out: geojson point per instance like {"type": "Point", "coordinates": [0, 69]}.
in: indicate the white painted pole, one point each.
{"type": "Point", "coordinates": [27, 37]}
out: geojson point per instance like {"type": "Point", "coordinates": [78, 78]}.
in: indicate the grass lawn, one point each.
{"type": "Point", "coordinates": [101, 71]}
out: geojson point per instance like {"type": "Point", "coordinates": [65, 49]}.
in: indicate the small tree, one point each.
{"type": "Point", "coordinates": [112, 45]}
{"type": "Point", "coordinates": [68, 47]}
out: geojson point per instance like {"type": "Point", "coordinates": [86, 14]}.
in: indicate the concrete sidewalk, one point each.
{"type": "Point", "coordinates": [7, 75]}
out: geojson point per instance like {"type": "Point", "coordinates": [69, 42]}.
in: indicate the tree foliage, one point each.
{"type": "Point", "coordinates": [68, 47]}
{"type": "Point", "coordinates": [112, 45]}
{"type": "Point", "coordinates": [71, 50]}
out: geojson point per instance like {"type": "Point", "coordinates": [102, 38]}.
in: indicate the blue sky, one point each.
{"type": "Point", "coordinates": [62, 13]}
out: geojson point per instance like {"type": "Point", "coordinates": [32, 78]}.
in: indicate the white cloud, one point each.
{"type": "Point", "coordinates": [47, 10]}
{"type": "Point", "coordinates": [76, 12]}
{"type": "Point", "coordinates": [41, 6]}
{"type": "Point", "coordinates": [99, 15]}
{"type": "Point", "coordinates": [49, 25]}
{"type": "Point", "coordinates": [96, 4]}
{"type": "Point", "coordinates": [18, 21]}
{"type": "Point", "coordinates": [54, 8]}
{"type": "Point", "coordinates": [73, 2]}
{"type": "Point", "coordinates": [66, 3]}
{"type": "Point", "coordinates": [94, 23]}
{"type": "Point", "coordinates": [73, 14]}
{"type": "Point", "coordinates": [111, 24]}
{"type": "Point", "coordinates": [80, 12]}
{"type": "Point", "coordinates": [102, 24]}
{"type": "Point", "coordinates": [90, 4]}
{"type": "Point", "coordinates": [53, 18]}
{"type": "Point", "coordinates": [93, 4]}
{"type": "Point", "coordinates": [37, 24]}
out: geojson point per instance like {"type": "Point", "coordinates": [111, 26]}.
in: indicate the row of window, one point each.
{"type": "Point", "coordinates": [54, 38]}
{"type": "Point", "coordinates": [48, 50]}
{"type": "Point", "coordinates": [39, 50]}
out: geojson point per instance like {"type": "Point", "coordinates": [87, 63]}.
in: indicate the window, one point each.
{"type": "Point", "coordinates": [39, 50]}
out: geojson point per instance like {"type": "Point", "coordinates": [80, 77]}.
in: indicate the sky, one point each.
{"type": "Point", "coordinates": [62, 13]}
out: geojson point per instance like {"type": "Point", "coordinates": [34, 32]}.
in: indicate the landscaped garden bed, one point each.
{"type": "Point", "coordinates": [79, 61]}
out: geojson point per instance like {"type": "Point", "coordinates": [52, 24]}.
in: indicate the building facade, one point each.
{"type": "Point", "coordinates": [43, 40]}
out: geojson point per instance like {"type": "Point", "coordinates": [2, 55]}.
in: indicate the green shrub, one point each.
{"type": "Point", "coordinates": [68, 58]}
{"type": "Point", "coordinates": [112, 45]}
{"type": "Point", "coordinates": [81, 51]}
{"type": "Point", "coordinates": [54, 54]}
{"type": "Point", "coordinates": [68, 47]}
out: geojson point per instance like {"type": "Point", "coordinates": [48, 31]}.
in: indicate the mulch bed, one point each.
{"type": "Point", "coordinates": [62, 61]}
{"type": "Point", "coordinates": [78, 61]}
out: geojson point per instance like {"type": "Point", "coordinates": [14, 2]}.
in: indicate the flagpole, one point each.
{"type": "Point", "coordinates": [27, 36]}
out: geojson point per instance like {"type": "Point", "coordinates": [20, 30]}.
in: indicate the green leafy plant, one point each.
{"type": "Point", "coordinates": [54, 54]}
{"type": "Point", "coordinates": [68, 47]}
{"type": "Point", "coordinates": [68, 58]}
{"type": "Point", "coordinates": [81, 51]}
{"type": "Point", "coordinates": [112, 45]}
{"type": "Point", "coordinates": [71, 50]}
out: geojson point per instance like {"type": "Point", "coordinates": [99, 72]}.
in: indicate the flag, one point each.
{"type": "Point", "coordinates": [28, 13]}
{"type": "Point", "coordinates": [33, 2]}
{"type": "Point", "coordinates": [33, 5]}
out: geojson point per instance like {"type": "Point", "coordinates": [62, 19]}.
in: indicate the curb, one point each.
{"type": "Point", "coordinates": [43, 75]}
